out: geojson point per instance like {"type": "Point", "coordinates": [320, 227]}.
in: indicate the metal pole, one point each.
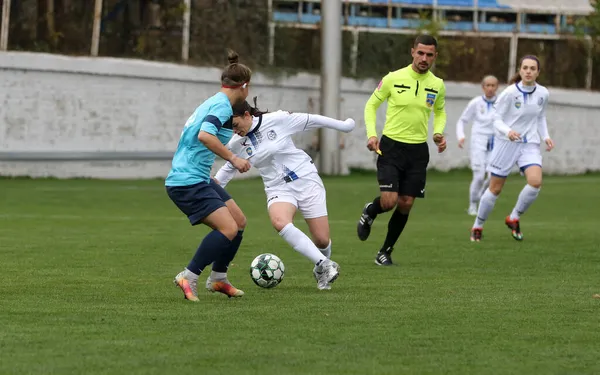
{"type": "Point", "coordinates": [512, 56]}
{"type": "Point", "coordinates": [96, 28]}
{"type": "Point", "coordinates": [331, 72]}
{"type": "Point", "coordinates": [354, 52]}
{"type": "Point", "coordinates": [590, 62]}
{"type": "Point", "coordinates": [5, 23]}
{"type": "Point", "coordinates": [185, 36]}
{"type": "Point", "coordinates": [271, 34]}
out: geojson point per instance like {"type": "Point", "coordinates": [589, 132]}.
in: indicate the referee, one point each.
{"type": "Point", "coordinates": [412, 93]}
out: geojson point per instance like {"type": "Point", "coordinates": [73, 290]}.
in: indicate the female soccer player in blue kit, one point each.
{"type": "Point", "coordinates": [190, 187]}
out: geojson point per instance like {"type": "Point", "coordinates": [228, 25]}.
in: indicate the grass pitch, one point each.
{"type": "Point", "coordinates": [87, 268]}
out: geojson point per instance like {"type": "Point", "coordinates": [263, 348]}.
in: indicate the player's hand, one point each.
{"type": "Point", "coordinates": [440, 141]}
{"type": "Point", "coordinates": [549, 144]}
{"type": "Point", "coordinates": [215, 180]}
{"type": "Point", "coordinates": [240, 164]}
{"type": "Point", "coordinates": [373, 144]}
{"type": "Point", "coordinates": [461, 143]}
{"type": "Point", "coordinates": [513, 135]}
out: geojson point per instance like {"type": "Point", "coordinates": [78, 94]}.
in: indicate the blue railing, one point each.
{"type": "Point", "coordinates": [356, 16]}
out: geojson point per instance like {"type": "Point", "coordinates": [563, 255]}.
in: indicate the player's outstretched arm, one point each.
{"type": "Point", "coordinates": [318, 121]}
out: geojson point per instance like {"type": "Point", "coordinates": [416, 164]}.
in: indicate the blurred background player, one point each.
{"type": "Point", "coordinates": [520, 125]}
{"type": "Point", "coordinates": [189, 186]}
{"type": "Point", "coordinates": [479, 112]}
{"type": "Point", "coordinates": [412, 93]}
{"type": "Point", "coordinates": [290, 177]}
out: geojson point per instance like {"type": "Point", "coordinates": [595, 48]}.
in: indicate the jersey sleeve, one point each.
{"type": "Point", "coordinates": [439, 111]}
{"type": "Point", "coordinates": [501, 108]}
{"type": "Point", "coordinates": [381, 93]}
{"type": "Point", "coordinates": [227, 171]}
{"type": "Point", "coordinates": [465, 118]}
{"type": "Point", "coordinates": [542, 124]}
{"type": "Point", "coordinates": [225, 174]}
{"type": "Point", "coordinates": [218, 115]}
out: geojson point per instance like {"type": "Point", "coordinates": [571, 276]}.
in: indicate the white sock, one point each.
{"type": "Point", "coordinates": [190, 275]}
{"type": "Point", "coordinates": [486, 205]}
{"type": "Point", "coordinates": [475, 189]}
{"type": "Point", "coordinates": [214, 276]}
{"type": "Point", "coordinates": [527, 196]}
{"type": "Point", "coordinates": [301, 243]}
{"type": "Point", "coordinates": [326, 251]}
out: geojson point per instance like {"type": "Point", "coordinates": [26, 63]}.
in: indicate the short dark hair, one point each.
{"type": "Point", "coordinates": [425, 39]}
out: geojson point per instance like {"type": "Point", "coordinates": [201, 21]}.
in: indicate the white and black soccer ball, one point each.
{"type": "Point", "coordinates": [267, 270]}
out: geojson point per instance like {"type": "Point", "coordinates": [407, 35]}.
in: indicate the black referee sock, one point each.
{"type": "Point", "coordinates": [375, 209]}
{"type": "Point", "coordinates": [395, 227]}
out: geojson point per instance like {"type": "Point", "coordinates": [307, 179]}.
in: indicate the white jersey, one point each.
{"type": "Point", "coordinates": [269, 147]}
{"type": "Point", "coordinates": [479, 112]}
{"type": "Point", "coordinates": [522, 109]}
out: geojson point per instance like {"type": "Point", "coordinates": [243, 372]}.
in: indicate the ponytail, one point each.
{"type": "Point", "coordinates": [516, 78]}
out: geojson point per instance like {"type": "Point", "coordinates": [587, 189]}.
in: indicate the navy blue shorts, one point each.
{"type": "Point", "coordinates": [199, 200]}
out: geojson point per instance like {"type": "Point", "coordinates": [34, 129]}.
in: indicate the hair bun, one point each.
{"type": "Point", "coordinates": [232, 57]}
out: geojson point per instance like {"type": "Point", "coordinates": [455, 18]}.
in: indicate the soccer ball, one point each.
{"type": "Point", "coordinates": [267, 270]}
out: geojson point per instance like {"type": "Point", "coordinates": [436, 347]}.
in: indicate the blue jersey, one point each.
{"type": "Point", "coordinates": [192, 161]}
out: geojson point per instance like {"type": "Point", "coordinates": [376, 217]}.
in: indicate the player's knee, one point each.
{"type": "Point", "coordinates": [536, 183]}
{"type": "Point", "coordinates": [479, 174]}
{"type": "Point", "coordinates": [230, 229]}
{"type": "Point", "coordinates": [388, 203]}
{"type": "Point", "coordinates": [495, 189]}
{"type": "Point", "coordinates": [321, 241]}
{"type": "Point", "coordinates": [405, 204]}
{"type": "Point", "coordinates": [241, 222]}
{"type": "Point", "coordinates": [279, 223]}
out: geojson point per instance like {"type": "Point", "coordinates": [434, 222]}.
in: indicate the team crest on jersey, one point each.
{"type": "Point", "coordinates": [271, 135]}
{"type": "Point", "coordinates": [517, 104]}
{"type": "Point", "coordinates": [540, 101]}
{"type": "Point", "coordinates": [249, 151]}
{"type": "Point", "coordinates": [430, 99]}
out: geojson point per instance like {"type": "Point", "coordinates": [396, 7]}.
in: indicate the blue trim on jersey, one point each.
{"type": "Point", "coordinates": [214, 120]}
{"type": "Point", "coordinates": [291, 176]}
{"type": "Point", "coordinates": [523, 168]}
{"type": "Point", "coordinates": [525, 93]}
{"type": "Point", "coordinates": [253, 139]}
{"type": "Point", "coordinates": [497, 175]}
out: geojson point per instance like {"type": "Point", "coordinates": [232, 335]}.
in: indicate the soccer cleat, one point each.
{"type": "Point", "coordinates": [363, 228]}
{"type": "Point", "coordinates": [515, 228]}
{"type": "Point", "coordinates": [188, 284]}
{"type": "Point", "coordinates": [223, 286]}
{"type": "Point", "coordinates": [472, 211]}
{"type": "Point", "coordinates": [326, 273]}
{"type": "Point", "coordinates": [384, 257]}
{"type": "Point", "coordinates": [476, 234]}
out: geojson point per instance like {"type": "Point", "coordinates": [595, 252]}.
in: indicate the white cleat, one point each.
{"type": "Point", "coordinates": [326, 273]}
{"type": "Point", "coordinates": [472, 209]}
{"type": "Point", "coordinates": [188, 283]}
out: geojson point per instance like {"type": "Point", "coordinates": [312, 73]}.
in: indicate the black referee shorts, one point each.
{"type": "Point", "coordinates": [402, 167]}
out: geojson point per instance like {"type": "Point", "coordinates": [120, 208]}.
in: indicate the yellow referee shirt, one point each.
{"type": "Point", "coordinates": [411, 97]}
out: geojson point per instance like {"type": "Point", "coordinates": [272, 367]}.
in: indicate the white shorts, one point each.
{"type": "Point", "coordinates": [306, 193]}
{"type": "Point", "coordinates": [481, 151]}
{"type": "Point", "coordinates": [507, 154]}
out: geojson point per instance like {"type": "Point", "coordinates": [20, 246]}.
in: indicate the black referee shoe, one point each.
{"type": "Point", "coordinates": [384, 258]}
{"type": "Point", "coordinates": [363, 228]}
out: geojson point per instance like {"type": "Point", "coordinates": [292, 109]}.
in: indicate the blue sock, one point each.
{"type": "Point", "coordinates": [224, 258]}
{"type": "Point", "coordinates": [212, 245]}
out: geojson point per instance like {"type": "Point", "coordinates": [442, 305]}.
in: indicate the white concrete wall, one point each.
{"type": "Point", "coordinates": [52, 103]}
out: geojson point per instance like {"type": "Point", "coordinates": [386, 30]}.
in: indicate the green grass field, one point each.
{"type": "Point", "coordinates": [87, 268]}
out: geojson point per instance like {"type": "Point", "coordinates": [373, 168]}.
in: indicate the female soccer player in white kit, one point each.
{"type": "Point", "coordinates": [479, 112]}
{"type": "Point", "coordinates": [290, 177]}
{"type": "Point", "coordinates": [520, 124]}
